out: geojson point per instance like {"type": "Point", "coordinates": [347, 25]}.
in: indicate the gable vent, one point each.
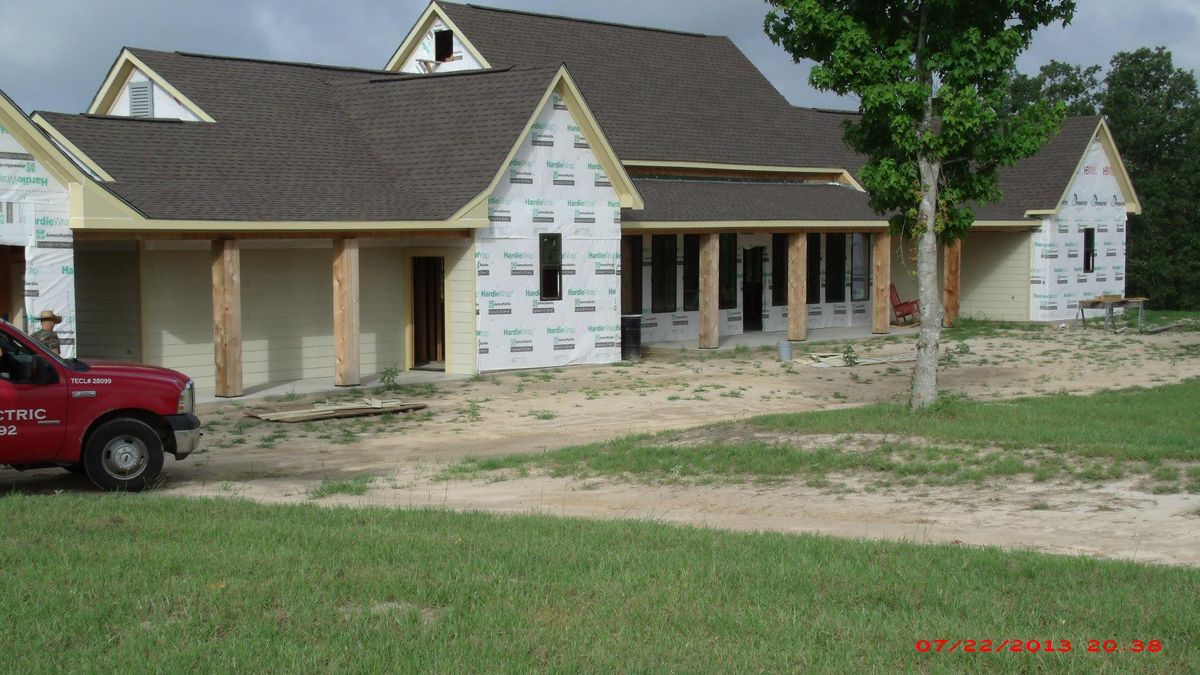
{"type": "Point", "coordinates": [141, 99]}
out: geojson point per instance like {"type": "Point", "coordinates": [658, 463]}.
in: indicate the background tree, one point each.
{"type": "Point", "coordinates": [1076, 87]}
{"type": "Point", "coordinates": [933, 78]}
{"type": "Point", "coordinates": [1153, 110]}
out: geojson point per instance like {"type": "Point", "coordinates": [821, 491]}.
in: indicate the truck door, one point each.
{"type": "Point", "coordinates": [33, 417]}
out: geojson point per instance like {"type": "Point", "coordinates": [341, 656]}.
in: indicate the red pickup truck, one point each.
{"type": "Point", "coordinates": [113, 422]}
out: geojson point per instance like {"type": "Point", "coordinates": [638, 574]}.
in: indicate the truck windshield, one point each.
{"type": "Point", "coordinates": [19, 348]}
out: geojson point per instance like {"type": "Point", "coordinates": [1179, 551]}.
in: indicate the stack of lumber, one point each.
{"type": "Point", "coordinates": [332, 411]}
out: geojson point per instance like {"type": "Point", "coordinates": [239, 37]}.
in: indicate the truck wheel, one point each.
{"type": "Point", "coordinates": [123, 455]}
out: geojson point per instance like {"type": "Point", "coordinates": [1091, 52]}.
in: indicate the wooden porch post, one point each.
{"type": "Point", "coordinates": [952, 282]}
{"type": "Point", "coordinates": [798, 286]}
{"type": "Point", "coordinates": [881, 282]}
{"type": "Point", "coordinates": [346, 370]}
{"type": "Point", "coordinates": [227, 316]}
{"type": "Point", "coordinates": [710, 272]}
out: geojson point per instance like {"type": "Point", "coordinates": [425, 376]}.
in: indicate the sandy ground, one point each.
{"type": "Point", "coordinates": [529, 412]}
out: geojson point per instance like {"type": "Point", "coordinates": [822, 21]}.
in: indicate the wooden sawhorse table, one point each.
{"type": "Point", "coordinates": [1110, 321]}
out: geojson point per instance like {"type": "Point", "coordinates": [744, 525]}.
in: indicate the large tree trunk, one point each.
{"type": "Point", "coordinates": [924, 386]}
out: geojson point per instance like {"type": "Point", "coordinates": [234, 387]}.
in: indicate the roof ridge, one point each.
{"type": "Point", "coordinates": [578, 20]}
{"type": "Point", "coordinates": [274, 62]}
{"type": "Point", "coordinates": [121, 118]}
{"type": "Point", "coordinates": [409, 77]}
{"type": "Point", "coordinates": [832, 111]}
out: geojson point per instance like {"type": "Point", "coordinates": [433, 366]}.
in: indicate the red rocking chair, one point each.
{"type": "Point", "coordinates": [904, 310]}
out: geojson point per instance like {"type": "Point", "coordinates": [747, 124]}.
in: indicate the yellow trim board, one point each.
{"type": "Point", "coordinates": [843, 175]}
{"type": "Point", "coordinates": [119, 74]}
{"type": "Point", "coordinates": [565, 86]}
{"type": "Point", "coordinates": [29, 135]}
{"type": "Point", "coordinates": [239, 226]}
{"type": "Point", "coordinates": [431, 14]}
{"type": "Point", "coordinates": [1133, 203]}
{"type": "Point", "coordinates": [848, 226]}
{"type": "Point", "coordinates": [71, 147]}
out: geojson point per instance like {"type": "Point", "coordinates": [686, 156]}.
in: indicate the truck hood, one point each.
{"type": "Point", "coordinates": [118, 370]}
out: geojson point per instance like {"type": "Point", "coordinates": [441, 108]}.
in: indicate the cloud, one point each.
{"type": "Point", "coordinates": [55, 53]}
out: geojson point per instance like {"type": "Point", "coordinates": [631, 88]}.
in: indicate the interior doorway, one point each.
{"type": "Point", "coordinates": [752, 289]}
{"type": "Point", "coordinates": [429, 313]}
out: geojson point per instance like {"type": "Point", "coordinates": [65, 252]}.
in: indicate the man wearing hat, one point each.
{"type": "Point", "coordinates": [46, 335]}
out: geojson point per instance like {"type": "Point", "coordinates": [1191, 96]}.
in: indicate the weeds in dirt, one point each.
{"type": "Point", "coordinates": [328, 488]}
{"type": "Point", "coordinates": [544, 415]}
{"type": "Point", "coordinates": [470, 413]}
{"type": "Point", "coordinates": [1100, 438]}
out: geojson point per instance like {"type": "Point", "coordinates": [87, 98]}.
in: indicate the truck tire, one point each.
{"type": "Point", "coordinates": [123, 455]}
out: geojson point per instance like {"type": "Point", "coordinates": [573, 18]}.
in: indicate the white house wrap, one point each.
{"type": "Point", "coordinates": [1058, 277]}
{"type": "Point", "coordinates": [554, 185]}
{"type": "Point", "coordinates": [34, 214]}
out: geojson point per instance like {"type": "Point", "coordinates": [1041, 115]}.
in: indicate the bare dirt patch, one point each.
{"type": "Point", "coordinates": [531, 412]}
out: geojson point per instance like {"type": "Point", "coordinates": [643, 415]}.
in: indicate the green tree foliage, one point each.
{"type": "Point", "coordinates": [933, 79]}
{"type": "Point", "coordinates": [1153, 109]}
{"type": "Point", "coordinates": [1076, 87]}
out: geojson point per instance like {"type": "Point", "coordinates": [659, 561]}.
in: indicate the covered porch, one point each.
{"type": "Point", "coordinates": [266, 313]}
{"type": "Point", "coordinates": [719, 253]}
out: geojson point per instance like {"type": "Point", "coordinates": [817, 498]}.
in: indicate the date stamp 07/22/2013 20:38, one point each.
{"type": "Point", "coordinates": [1011, 646]}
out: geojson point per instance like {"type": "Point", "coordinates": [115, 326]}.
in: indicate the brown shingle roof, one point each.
{"type": "Point", "coordinates": [670, 200]}
{"type": "Point", "coordinates": [664, 95]}
{"type": "Point", "coordinates": [1038, 182]}
{"type": "Point", "coordinates": [1034, 183]}
{"type": "Point", "coordinates": [312, 143]}
{"type": "Point", "coordinates": [660, 95]}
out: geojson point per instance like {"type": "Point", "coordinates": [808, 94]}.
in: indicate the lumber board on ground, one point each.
{"type": "Point", "coordinates": [332, 411]}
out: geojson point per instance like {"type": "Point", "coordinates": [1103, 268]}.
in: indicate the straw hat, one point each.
{"type": "Point", "coordinates": [49, 315]}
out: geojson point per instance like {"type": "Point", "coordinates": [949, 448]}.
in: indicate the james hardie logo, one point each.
{"type": "Point", "coordinates": [520, 172]}
{"type": "Point", "coordinates": [542, 209]}
{"type": "Point", "coordinates": [483, 263]}
{"type": "Point", "coordinates": [520, 264]}
{"type": "Point", "coordinates": [542, 135]}
{"type": "Point", "coordinates": [584, 210]}
{"type": "Point", "coordinates": [520, 340]}
{"type": "Point", "coordinates": [499, 303]}
{"type": "Point", "coordinates": [563, 337]}
{"type": "Point", "coordinates": [599, 178]}
{"type": "Point", "coordinates": [580, 140]}
{"type": "Point", "coordinates": [557, 102]}
{"type": "Point", "coordinates": [499, 210]}
{"type": "Point", "coordinates": [562, 173]}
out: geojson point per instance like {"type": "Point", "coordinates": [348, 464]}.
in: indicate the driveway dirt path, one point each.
{"type": "Point", "coordinates": [533, 411]}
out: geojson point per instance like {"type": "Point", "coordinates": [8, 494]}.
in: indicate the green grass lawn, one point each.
{"type": "Point", "coordinates": [153, 584]}
{"type": "Point", "coordinates": [1100, 437]}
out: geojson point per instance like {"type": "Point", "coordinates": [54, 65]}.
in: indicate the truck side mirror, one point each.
{"type": "Point", "coordinates": [41, 372]}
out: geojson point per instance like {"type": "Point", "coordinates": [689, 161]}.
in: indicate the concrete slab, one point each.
{"type": "Point", "coordinates": [324, 385]}
{"type": "Point", "coordinates": [770, 339]}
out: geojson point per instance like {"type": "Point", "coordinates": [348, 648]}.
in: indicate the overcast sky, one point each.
{"type": "Point", "coordinates": [55, 53]}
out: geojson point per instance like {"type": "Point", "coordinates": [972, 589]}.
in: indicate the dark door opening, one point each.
{"type": "Point", "coordinates": [752, 289]}
{"type": "Point", "coordinates": [429, 314]}
{"type": "Point", "coordinates": [12, 289]}
{"type": "Point", "coordinates": [631, 274]}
